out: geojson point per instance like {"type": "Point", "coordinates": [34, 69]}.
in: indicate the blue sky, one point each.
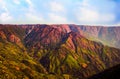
{"type": "Point", "coordinates": [88, 12]}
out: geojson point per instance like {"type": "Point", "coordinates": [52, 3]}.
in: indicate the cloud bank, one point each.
{"type": "Point", "coordinates": [93, 12]}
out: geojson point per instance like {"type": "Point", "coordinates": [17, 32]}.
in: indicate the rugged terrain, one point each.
{"type": "Point", "coordinates": [57, 51]}
{"type": "Point", "coordinates": [111, 73]}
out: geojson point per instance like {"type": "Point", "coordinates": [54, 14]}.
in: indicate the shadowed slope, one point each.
{"type": "Point", "coordinates": [63, 52]}
{"type": "Point", "coordinates": [52, 51]}
{"type": "Point", "coordinates": [111, 73]}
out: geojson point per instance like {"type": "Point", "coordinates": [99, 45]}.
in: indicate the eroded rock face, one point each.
{"type": "Point", "coordinates": [69, 51]}
{"type": "Point", "coordinates": [12, 33]}
{"type": "Point", "coordinates": [45, 35]}
{"type": "Point", "coordinates": [14, 39]}
{"type": "Point", "coordinates": [10, 37]}
{"type": "Point", "coordinates": [65, 49]}
{"type": "Point", "coordinates": [107, 35]}
{"type": "Point", "coordinates": [2, 35]}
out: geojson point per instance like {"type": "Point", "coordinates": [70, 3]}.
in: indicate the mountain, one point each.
{"type": "Point", "coordinates": [111, 73]}
{"type": "Point", "coordinates": [107, 35]}
{"type": "Point", "coordinates": [54, 51]}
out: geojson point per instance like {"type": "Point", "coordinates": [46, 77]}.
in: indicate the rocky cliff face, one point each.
{"type": "Point", "coordinates": [62, 50]}
{"type": "Point", "coordinates": [107, 35]}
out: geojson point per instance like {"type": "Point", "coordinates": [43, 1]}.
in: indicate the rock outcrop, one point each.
{"type": "Point", "coordinates": [59, 51]}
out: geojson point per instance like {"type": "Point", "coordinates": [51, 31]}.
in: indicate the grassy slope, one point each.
{"type": "Point", "coordinates": [56, 62]}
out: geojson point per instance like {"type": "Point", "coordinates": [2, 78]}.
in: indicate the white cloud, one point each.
{"type": "Point", "coordinates": [89, 14]}
{"type": "Point", "coordinates": [31, 6]}
{"type": "Point", "coordinates": [1, 0]}
{"type": "Point", "coordinates": [29, 2]}
{"type": "Point", "coordinates": [31, 17]}
{"type": "Point", "coordinates": [5, 17]}
{"type": "Point", "coordinates": [85, 3]}
{"type": "Point", "coordinates": [3, 5]}
{"type": "Point", "coordinates": [86, 15]}
{"type": "Point", "coordinates": [57, 13]}
{"type": "Point", "coordinates": [117, 24]}
{"type": "Point", "coordinates": [16, 1]}
{"type": "Point", "coordinates": [108, 17]}
{"type": "Point", "coordinates": [54, 18]}
{"type": "Point", "coordinates": [56, 7]}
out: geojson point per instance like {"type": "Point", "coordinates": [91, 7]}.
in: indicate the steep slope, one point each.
{"type": "Point", "coordinates": [12, 33]}
{"type": "Point", "coordinates": [15, 62]}
{"type": "Point", "coordinates": [107, 35]}
{"type": "Point", "coordinates": [111, 73]}
{"type": "Point", "coordinates": [55, 51]}
{"type": "Point", "coordinates": [63, 51]}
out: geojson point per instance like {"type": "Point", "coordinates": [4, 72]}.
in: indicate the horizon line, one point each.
{"type": "Point", "coordinates": [59, 24]}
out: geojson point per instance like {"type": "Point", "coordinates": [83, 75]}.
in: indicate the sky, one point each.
{"type": "Point", "coordinates": [82, 12]}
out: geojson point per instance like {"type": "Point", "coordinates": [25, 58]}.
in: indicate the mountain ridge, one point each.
{"type": "Point", "coordinates": [61, 50]}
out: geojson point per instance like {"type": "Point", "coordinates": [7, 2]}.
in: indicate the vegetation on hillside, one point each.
{"type": "Point", "coordinates": [50, 53]}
